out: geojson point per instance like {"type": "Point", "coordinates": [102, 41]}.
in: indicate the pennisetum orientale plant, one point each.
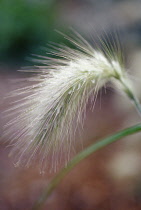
{"type": "Point", "coordinates": [49, 108]}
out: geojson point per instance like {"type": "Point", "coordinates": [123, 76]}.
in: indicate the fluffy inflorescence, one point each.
{"type": "Point", "coordinates": [53, 105]}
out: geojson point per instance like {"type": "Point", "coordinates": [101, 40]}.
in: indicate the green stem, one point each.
{"type": "Point", "coordinates": [131, 95]}
{"type": "Point", "coordinates": [82, 155]}
{"type": "Point", "coordinates": [137, 105]}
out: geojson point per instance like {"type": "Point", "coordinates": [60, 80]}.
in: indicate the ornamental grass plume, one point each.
{"type": "Point", "coordinates": [51, 109]}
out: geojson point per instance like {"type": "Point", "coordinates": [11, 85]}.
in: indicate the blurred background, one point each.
{"type": "Point", "coordinates": [111, 178]}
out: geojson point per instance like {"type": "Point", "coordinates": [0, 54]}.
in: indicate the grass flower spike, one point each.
{"type": "Point", "coordinates": [50, 110]}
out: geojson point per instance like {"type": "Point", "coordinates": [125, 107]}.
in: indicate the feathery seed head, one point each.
{"type": "Point", "coordinates": [52, 108]}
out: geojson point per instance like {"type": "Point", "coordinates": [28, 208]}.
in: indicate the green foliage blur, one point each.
{"type": "Point", "coordinates": [25, 25]}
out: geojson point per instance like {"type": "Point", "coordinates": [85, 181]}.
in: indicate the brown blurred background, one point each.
{"type": "Point", "coordinates": [111, 178]}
